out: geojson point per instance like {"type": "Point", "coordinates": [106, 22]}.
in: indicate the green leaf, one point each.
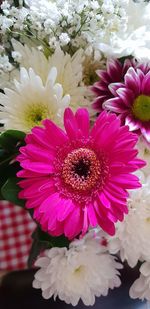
{"type": "Point", "coordinates": [10, 139]}
{"type": "Point", "coordinates": [60, 241]}
{"type": "Point", "coordinates": [16, 3]}
{"type": "Point", "coordinates": [36, 248]}
{"type": "Point", "coordinates": [122, 59]}
{"type": "Point", "coordinates": [5, 160]}
{"type": "Point", "coordinates": [43, 241]}
{"type": "Point", "coordinates": [7, 171]}
{"type": "Point", "coordinates": [10, 191]}
{"type": "Point", "coordinates": [2, 153]}
{"type": "Point", "coordinates": [47, 51]}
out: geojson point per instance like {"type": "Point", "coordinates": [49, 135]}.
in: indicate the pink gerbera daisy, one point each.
{"type": "Point", "coordinates": [114, 72]}
{"type": "Point", "coordinates": [78, 177]}
{"type": "Point", "coordinates": [132, 101]}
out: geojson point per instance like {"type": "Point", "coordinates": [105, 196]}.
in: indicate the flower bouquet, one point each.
{"type": "Point", "coordinates": [75, 139]}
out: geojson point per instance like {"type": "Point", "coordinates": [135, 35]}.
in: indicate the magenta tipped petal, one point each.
{"type": "Point", "coordinates": [125, 90]}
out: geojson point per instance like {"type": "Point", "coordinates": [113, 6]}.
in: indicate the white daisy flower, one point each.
{"type": "Point", "coordinates": [32, 101]}
{"type": "Point", "coordinates": [133, 234]}
{"type": "Point", "coordinates": [141, 287]}
{"type": "Point", "coordinates": [81, 272]}
{"type": "Point", "coordinates": [69, 69]}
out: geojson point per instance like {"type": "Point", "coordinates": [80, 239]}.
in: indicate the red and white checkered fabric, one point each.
{"type": "Point", "coordinates": [16, 228]}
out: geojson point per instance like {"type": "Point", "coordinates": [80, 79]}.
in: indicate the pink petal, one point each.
{"type": "Point", "coordinates": [104, 76]}
{"type": "Point", "coordinates": [37, 188]}
{"type": "Point", "coordinates": [122, 169]}
{"type": "Point", "coordinates": [145, 89]}
{"type": "Point", "coordinates": [70, 124]}
{"type": "Point", "coordinates": [118, 189]}
{"type": "Point", "coordinates": [124, 156]}
{"type": "Point", "coordinates": [113, 87]}
{"type": "Point", "coordinates": [29, 174]}
{"type": "Point", "coordinates": [38, 136]}
{"type": "Point", "coordinates": [107, 226]}
{"type": "Point", "coordinates": [38, 167]}
{"type": "Point", "coordinates": [49, 209]}
{"type": "Point", "coordinates": [105, 138]}
{"type": "Point", "coordinates": [97, 104]}
{"type": "Point", "coordinates": [115, 105]}
{"type": "Point", "coordinates": [85, 221]}
{"type": "Point", "coordinates": [113, 198]}
{"type": "Point", "coordinates": [92, 216]}
{"type": "Point", "coordinates": [118, 195]}
{"type": "Point", "coordinates": [50, 202]}
{"type": "Point", "coordinates": [146, 133]}
{"type": "Point", "coordinates": [132, 123]}
{"type": "Point", "coordinates": [37, 153]}
{"type": "Point", "coordinates": [58, 231]}
{"type": "Point", "coordinates": [74, 223]}
{"type": "Point", "coordinates": [127, 96]}
{"type": "Point", "coordinates": [36, 202]}
{"type": "Point", "coordinates": [112, 216]}
{"type": "Point", "coordinates": [132, 81]}
{"type": "Point", "coordinates": [121, 208]}
{"type": "Point", "coordinates": [66, 207]}
{"type": "Point", "coordinates": [118, 212]}
{"type": "Point", "coordinates": [100, 121]}
{"type": "Point", "coordinates": [138, 163]}
{"type": "Point", "coordinates": [126, 181]}
{"type": "Point", "coordinates": [104, 200]}
{"type": "Point", "coordinates": [55, 134]}
{"type": "Point", "coordinates": [124, 143]}
{"type": "Point", "coordinates": [114, 68]}
{"type": "Point", "coordinates": [82, 117]}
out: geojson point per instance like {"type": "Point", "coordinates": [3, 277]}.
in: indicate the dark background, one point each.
{"type": "Point", "coordinates": [17, 292]}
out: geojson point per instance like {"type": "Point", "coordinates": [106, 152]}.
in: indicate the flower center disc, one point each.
{"type": "Point", "coordinates": [141, 108]}
{"type": "Point", "coordinates": [35, 114]}
{"type": "Point", "coordinates": [81, 169]}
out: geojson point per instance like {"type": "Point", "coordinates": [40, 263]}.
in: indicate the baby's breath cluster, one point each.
{"type": "Point", "coordinates": [75, 24]}
{"type": "Point", "coordinates": [71, 24]}
{"type": "Point", "coordinates": [100, 27]}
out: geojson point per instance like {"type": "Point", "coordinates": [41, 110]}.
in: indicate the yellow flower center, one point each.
{"type": "Point", "coordinates": [146, 151]}
{"type": "Point", "coordinates": [141, 108]}
{"type": "Point", "coordinates": [35, 114]}
{"type": "Point", "coordinates": [79, 270]}
{"type": "Point", "coordinates": [89, 71]}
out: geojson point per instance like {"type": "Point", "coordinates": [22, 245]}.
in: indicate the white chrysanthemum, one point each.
{"type": "Point", "coordinates": [81, 272]}
{"type": "Point", "coordinates": [69, 69]}
{"type": "Point", "coordinates": [32, 101]}
{"type": "Point", "coordinates": [133, 235]}
{"type": "Point", "coordinates": [135, 40]}
{"type": "Point", "coordinates": [144, 153]}
{"type": "Point", "coordinates": [141, 287]}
